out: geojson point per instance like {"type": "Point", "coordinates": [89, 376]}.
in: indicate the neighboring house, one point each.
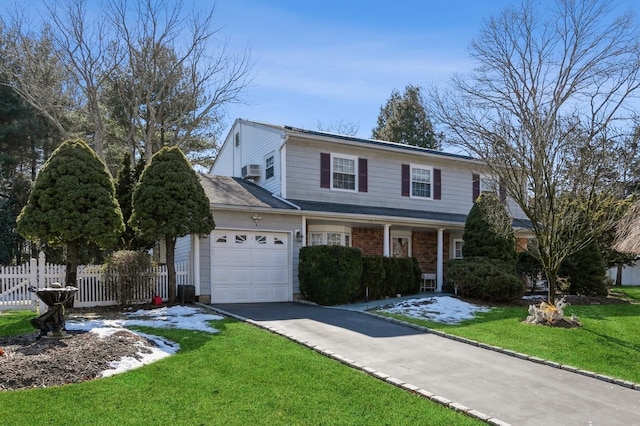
{"type": "Point", "coordinates": [274, 189]}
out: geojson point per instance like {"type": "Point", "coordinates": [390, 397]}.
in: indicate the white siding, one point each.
{"type": "Point", "coordinates": [256, 143]}
{"type": "Point", "coordinates": [183, 249]}
{"type": "Point", "coordinates": [630, 275]}
{"type": "Point", "coordinates": [384, 179]}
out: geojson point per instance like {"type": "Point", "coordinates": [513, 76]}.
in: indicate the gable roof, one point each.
{"type": "Point", "coordinates": [238, 192]}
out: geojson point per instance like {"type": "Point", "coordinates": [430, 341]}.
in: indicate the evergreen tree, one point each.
{"type": "Point", "coordinates": [404, 119]}
{"type": "Point", "coordinates": [168, 203]}
{"type": "Point", "coordinates": [72, 204]}
{"type": "Point", "coordinates": [125, 184]}
{"type": "Point", "coordinates": [488, 230]}
{"type": "Point", "coordinates": [13, 198]}
{"type": "Point", "coordinates": [586, 272]}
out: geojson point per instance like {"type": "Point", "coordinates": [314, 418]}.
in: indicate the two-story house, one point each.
{"type": "Point", "coordinates": [274, 189]}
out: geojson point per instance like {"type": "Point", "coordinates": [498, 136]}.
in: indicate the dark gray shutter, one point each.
{"type": "Point", "coordinates": [476, 187]}
{"type": "Point", "coordinates": [325, 170]}
{"type": "Point", "coordinates": [362, 175]}
{"type": "Point", "coordinates": [406, 180]}
{"type": "Point", "coordinates": [437, 184]}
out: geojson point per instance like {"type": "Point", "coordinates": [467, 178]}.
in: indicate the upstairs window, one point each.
{"type": "Point", "coordinates": [421, 182]}
{"type": "Point", "coordinates": [488, 184]}
{"type": "Point", "coordinates": [269, 167]}
{"type": "Point", "coordinates": [343, 172]}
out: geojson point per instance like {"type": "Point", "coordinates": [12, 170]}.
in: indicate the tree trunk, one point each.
{"type": "Point", "coordinates": [71, 274]}
{"type": "Point", "coordinates": [171, 267]}
{"type": "Point", "coordinates": [619, 274]}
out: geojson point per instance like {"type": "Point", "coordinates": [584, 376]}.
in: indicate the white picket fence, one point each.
{"type": "Point", "coordinates": [16, 280]}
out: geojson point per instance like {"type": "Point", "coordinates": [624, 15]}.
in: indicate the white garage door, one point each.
{"type": "Point", "coordinates": [249, 266]}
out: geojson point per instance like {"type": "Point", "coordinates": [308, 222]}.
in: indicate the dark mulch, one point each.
{"type": "Point", "coordinates": [29, 362]}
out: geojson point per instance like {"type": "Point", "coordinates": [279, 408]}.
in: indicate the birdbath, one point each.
{"type": "Point", "coordinates": [51, 323]}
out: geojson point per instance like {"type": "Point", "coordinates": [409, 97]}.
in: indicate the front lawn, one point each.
{"type": "Point", "coordinates": [240, 376]}
{"type": "Point", "coordinates": [608, 341]}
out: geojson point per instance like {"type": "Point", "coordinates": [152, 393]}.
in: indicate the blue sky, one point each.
{"type": "Point", "coordinates": [332, 61]}
{"type": "Point", "coordinates": [329, 61]}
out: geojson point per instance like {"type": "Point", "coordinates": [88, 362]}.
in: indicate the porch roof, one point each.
{"type": "Point", "coordinates": [319, 206]}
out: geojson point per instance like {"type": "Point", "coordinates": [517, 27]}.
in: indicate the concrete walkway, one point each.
{"type": "Point", "coordinates": [494, 386]}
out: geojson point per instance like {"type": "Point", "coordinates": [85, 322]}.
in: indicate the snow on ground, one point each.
{"type": "Point", "coordinates": [182, 317]}
{"type": "Point", "coordinates": [444, 309]}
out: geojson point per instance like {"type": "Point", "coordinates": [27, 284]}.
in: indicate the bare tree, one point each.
{"type": "Point", "coordinates": [541, 109]}
{"type": "Point", "coordinates": [175, 86]}
{"type": "Point", "coordinates": [89, 57]}
{"type": "Point", "coordinates": [31, 66]}
{"type": "Point", "coordinates": [148, 72]}
{"type": "Point", "coordinates": [340, 127]}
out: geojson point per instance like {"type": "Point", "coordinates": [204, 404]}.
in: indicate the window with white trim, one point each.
{"type": "Point", "coordinates": [401, 243]}
{"type": "Point", "coordinates": [488, 184]}
{"type": "Point", "coordinates": [457, 248]}
{"type": "Point", "coordinates": [269, 167]}
{"type": "Point", "coordinates": [421, 185]}
{"type": "Point", "coordinates": [343, 172]}
{"type": "Point", "coordinates": [321, 235]}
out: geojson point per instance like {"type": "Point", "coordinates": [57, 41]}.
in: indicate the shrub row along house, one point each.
{"type": "Point", "coordinates": [274, 189]}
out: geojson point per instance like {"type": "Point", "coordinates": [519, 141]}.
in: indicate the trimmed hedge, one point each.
{"type": "Point", "coordinates": [330, 275]}
{"type": "Point", "coordinates": [491, 280]}
{"type": "Point", "coordinates": [373, 278]}
{"type": "Point", "coordinates": [399, 275]}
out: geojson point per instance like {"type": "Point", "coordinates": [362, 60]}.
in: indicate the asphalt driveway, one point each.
{"type": "Point", "coordinates": [500, 386]}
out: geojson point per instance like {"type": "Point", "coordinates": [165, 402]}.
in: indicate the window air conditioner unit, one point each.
{"type": "Point", "coordinates": [251, 171]}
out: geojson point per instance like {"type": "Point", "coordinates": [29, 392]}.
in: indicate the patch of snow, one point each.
{"type": "Point", "coordinates": [181, 317]}
{"type": "Point", "coordinates": [444, 309]}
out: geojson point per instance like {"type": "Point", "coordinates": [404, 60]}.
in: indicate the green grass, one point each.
{"type": "Point", "coordinates": [241, 376]}
{"type": "Point", "coordinates": [608, 341]}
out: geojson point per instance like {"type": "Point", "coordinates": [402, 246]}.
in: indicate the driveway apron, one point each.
{"type": "Point", "coordinates": [501, 386]}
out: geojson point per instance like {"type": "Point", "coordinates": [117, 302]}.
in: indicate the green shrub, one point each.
{"type": "Point", "coordinates": [373, 277]}
{"type": "Point", "coordinates": [129, 277]}
{"type": "Point", "coordinates": [487, 279]}
{"type": "Point", "coordinates": [330, 275]}
{"type": "Point", "coordinates": [402, 276]}
{"type": "Point", "coordinates": [586, 272]}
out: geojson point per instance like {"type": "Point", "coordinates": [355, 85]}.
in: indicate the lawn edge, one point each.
{"type": "Point", "coordinates": [599, 376]}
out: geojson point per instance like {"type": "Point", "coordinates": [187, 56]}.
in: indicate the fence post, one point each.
{"type": "Point", "coordinates": [41, 270]}
{"type": "Point", "coordinates": [33, 281]}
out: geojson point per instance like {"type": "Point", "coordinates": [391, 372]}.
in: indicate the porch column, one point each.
{"type": "Point", "coordinates": [196, 263]}
{"type": "Point", "coordinates": [385, 246]}
{"type": "Point", "coordinates": [440, 260]}
{"type": "Point", "coordinates": [304, 231]}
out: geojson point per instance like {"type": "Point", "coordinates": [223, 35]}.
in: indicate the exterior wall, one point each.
{"type": "Point", "coordinates": [425, 249]}
{"type": "Point", "coordinates": [384, 178]}
{"type": "Point", "coordinates": [242, 221]}
{"type": "Point", "coordinates": [370, 241]}
{"type": "Point", "coordinates": [183, 249]}
{"type": "Point", "coordinates": [630, 274]}
{"type": "Point", "coordinates": [256, 143]}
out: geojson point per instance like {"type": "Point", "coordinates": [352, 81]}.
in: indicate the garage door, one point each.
{"type": "Point", "coordinates": [249, 266]}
